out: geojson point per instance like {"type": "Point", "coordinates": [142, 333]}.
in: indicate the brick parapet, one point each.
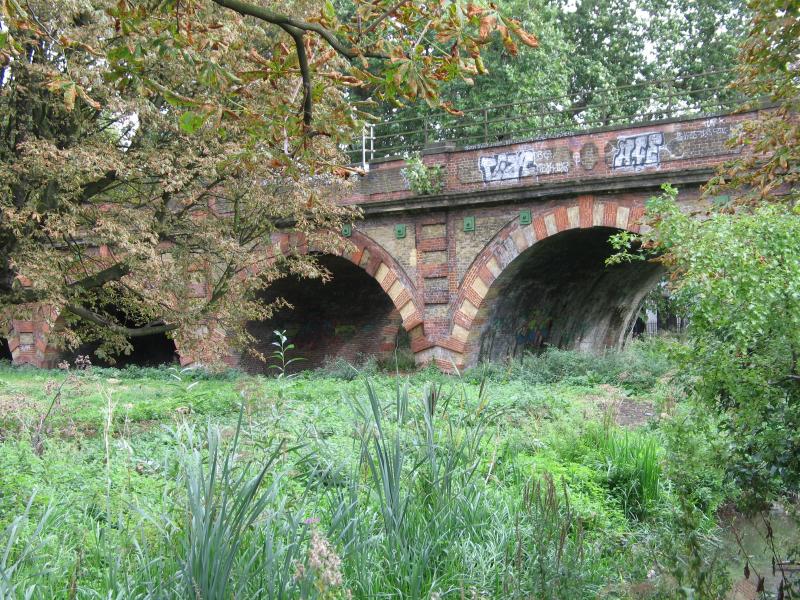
{"type": "Point", "coordinates": [653, 147]}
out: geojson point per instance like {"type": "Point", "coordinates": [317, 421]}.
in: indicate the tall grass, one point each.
{"type": "Point", "coordinates": [20, 565]}
{"type": "Point", "coordinates": [420, 513]}
{"type": "Point", "coordinates": [637, 368]}
{"type": "Point", "coordinates": [631, 463]}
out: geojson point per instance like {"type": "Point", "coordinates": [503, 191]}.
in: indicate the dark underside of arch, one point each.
{"type": "Point", "coordinates": [560, 293]}
{"type": "Point", "coordinates": [349, 317]}
{"type": "Point", "coordinates": [5, 351]}
{"type": "Point", "coordinates": [146, 351]}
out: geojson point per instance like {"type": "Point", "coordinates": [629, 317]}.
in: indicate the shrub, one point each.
{"type": "Point", "coordinates": [636, 368]}
{"type": "Point", "coordinates": [423, 180]}
{"type": "Point", "coordinates": [339, 368]}
{"type": "Point", "coordinates": [737, 275]}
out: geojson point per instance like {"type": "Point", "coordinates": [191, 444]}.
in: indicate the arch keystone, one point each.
{"type": "Point", "coordinates": [550, 224]}
{"type": "Point", "coordinates": [574, 217]}
{"type": "Point", "coordinates": [598, 214]}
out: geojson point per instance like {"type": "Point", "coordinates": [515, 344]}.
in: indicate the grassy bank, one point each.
{"type": "Point", "coordinates": [557, 478]}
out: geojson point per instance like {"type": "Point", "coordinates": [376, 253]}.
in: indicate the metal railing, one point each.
{"type": "Point", "coordinates": [702, 94]}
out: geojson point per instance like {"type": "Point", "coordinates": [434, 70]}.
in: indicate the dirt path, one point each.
{"type": "Point", "coordinates": [626, 411]}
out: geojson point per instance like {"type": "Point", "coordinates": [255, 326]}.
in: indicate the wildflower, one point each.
{"type": "Point", "coordinates": [83, 362]}
{"type": "Point", "coordinates": [322, 563]}
{"type": "Point", "coordinates": [322, 558]}
{"type": "Point", "coordinates": [63, 365]}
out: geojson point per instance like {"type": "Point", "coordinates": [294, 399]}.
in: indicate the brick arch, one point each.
{"type": "Point", "coordinates": [514, 239]}
{"type": "Point", "coordinates": [369, 256]}
{"type": "Point", "coordinates": [378, 264]}
{"type": "Point", "coordinates": [28, 338]}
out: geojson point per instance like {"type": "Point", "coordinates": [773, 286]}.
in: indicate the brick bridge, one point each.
{"type": "Point", "coordinates": [509, 256]}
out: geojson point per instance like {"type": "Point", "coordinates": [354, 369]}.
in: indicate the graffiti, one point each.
{"type": "Point", "coordinates": [722, 132]}
{"type": "Point", "coordinates": [638, 151]}
{"type": "Point", "coordinates": [513, 166]}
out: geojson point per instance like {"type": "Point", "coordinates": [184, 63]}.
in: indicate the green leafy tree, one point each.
{"type": "Point", "coordinates": [591, 60]}
{"type": "Point", "coordinates": [737, 276]}
{"type": "Point", "coordinates": [736, 267]}
{"type": "Point", "coordinates": [147, 147]}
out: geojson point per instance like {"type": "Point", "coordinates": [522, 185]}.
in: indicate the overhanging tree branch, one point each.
{"type": "Point", "coordinates": [296, 28]}
{"type": "Point", "coordinates": [130, 332]}
{"type": "Point", "coordinates": [269, 16]}
{"type": "Point", "coordinates": [302, 59]}
{"type": "Point", "coordinates": [99, 279]}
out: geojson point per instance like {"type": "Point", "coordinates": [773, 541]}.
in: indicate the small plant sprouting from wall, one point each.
{"type": "Point", "coordinates": [423, 180]}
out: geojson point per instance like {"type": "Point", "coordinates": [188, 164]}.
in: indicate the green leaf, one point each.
{"type": "Point", "coordinates": [191, 121]}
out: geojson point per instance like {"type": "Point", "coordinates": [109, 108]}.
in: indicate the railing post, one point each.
{"type": "Point", "coordinates": [425, 127]}
{"type": "Point", "coordinates": [485, 126]}
{"type": "Point", "coordinates": [364, 147]}
{"type": "Point", "coordinates": [372, 142]}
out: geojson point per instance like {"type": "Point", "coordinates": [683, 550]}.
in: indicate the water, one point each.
{"type": "Point", "coordinates": [753, 541]}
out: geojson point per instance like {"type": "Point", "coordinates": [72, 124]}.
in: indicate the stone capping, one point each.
{"type": "Point", "coordinates": [539, 192]}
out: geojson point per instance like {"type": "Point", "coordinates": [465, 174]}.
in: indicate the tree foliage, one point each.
{"type": "Point", "coordinates": [735, 268]}
{"type": "Point", "coordinates": [588, 48]}
{"type": "Point", "coordinates": [148, 148]}
{"type": "Point", "coordinates": [769, 73]}
{"type": "Point", "coordinates": [737, 277]}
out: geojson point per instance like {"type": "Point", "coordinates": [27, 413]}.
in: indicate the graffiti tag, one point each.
{"type": "Point", "coordinates": [698, 134]}
{"type": "Point", "coordinates": [513, 166]}
{"type": "Point", "coordinates": [638, 151]}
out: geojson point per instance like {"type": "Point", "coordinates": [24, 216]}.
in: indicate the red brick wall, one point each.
{"type": "Point", "coordinates": [665, 147]}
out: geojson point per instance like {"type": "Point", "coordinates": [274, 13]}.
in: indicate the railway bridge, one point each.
{"type": "Point", "coordinates": [508, 255]}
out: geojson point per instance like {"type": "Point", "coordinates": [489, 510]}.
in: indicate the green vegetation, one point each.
{"type": "Point", "coordinates": [739, 281]}
{"type": "Point", "coordinates": [422, 179]}
{"type": "Point", "coordinates": [155, 483]}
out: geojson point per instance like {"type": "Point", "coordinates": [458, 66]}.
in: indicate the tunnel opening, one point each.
{"type": "Point", "coordinates": [349, 317]}
{"type": "Point", "coordinates": [5, 350]}
{"type": "Point", "coordinates": [146, 351]}
{"type": "Point", "coordinates": [560, 293]}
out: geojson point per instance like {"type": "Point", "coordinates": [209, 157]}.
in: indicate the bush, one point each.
{"type": "Point", "coordinates": [737, 276]}
{"type": "Point", "coordinates": [339, 368]}
{"type": "Point", "coordinates": [423, 179]}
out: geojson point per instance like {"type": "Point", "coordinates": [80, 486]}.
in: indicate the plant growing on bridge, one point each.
{"type": "Point", "coordinates": [423, 180]}
{"type": "Point", "coordinates": [148, 149]}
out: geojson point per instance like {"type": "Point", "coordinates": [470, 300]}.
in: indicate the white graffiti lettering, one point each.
{"type": "Point", "coordinates": [638, 151]}
{"type": "Point", "coordinates": [513, 166]}
{"type": "Point", "coordinates": [709, 132]}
